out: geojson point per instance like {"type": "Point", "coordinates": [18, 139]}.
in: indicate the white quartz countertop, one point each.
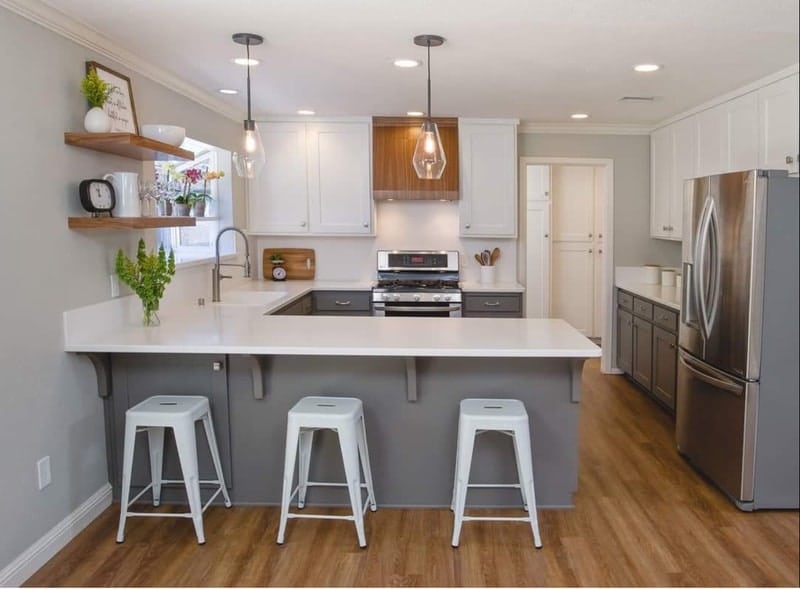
{"type": "Point", "coordinates": [493, 287]}
{"type": "Point", "coordinates": [238, 328]}
{"type": "Point", "coordinates": [669, 296]}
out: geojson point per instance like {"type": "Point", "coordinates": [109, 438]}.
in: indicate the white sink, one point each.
{"type": "Point", "coordinates": [252, 298]}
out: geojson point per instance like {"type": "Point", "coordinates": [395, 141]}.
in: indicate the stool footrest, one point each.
{"type": "Point", "coordinates": [321, 484]}
{"type": "Point", "coordinates": [494, 486]}
{"type": "Point", "coordinates": [477, 518]}
{"type": "Point", "coordinates": [291, 515]}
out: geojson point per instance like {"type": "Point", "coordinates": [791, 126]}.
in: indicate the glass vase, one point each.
{"type": "Point", "coordinates": [150, 315]}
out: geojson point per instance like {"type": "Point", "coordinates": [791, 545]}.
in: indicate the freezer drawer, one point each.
{"type": "Point", "coordinates": [715, 425]}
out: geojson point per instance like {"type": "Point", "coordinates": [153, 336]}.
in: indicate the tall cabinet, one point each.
{"type": "Point", "coordinates": [537, 259]}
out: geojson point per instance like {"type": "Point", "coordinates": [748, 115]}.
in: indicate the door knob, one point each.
{"type": "Point", "coordinates": [467, 226]}
{"type": "Point", "coordinates": [546, 235]}
{"type": "Point", "coordinates": [599, 251]}
{"type": "Point", "coordinates": [590, 250]}
{"type": "Point", "coordinates": [590, 235]}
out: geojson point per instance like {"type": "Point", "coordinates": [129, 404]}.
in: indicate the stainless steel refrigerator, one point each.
{"type": "Point", "coordinates": [738, 388]}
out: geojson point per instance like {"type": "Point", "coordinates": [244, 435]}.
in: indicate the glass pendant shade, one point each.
{"type": "Point", "coordinates": [429, 160]}
{"type": "Point", "coordinates": [251, 157]}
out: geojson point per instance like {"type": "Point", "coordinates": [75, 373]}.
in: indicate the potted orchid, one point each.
{"type": "Point", "coordinates": [183, 201]}
{"type": "Point", "coordinates": [198, 199]}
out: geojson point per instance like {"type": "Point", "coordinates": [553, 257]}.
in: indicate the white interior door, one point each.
{"type": "Point", "coordinates": [573, 284]}
{"type": "Point", "coordinates": [573, 189]}
{"type": "Point", "coordinates": [537, 291]}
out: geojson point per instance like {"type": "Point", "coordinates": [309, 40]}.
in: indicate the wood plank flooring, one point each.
{"type": "Point", "coordinates": [642, 517]}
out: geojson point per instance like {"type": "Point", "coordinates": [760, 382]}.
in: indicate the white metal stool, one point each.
{"type": "Point", "coordinates": [180, 413]}
{"type": "Point", "coordinates": [507, 416]}
{"type": "Point", "coordinates": [345, 416]}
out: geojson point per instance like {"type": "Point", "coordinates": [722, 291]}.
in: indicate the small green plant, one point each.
{"type": "Point", "coordinates": [197, 197]}
{"type": "Point", "coordinates": [96, 90]}
{"type": "Point", "coordinates": [147, 276]}
{"type": "Point", "coordinates": [276, 258]}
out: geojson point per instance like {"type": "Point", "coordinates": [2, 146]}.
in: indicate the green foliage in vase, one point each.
{"type": "Point", "coordinates": [95, 89]}
{"type": "Point", "coordinates": [147, 276]}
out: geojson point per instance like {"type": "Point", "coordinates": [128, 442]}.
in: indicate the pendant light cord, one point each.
{"type": "Point", "coordinates": [248, 80]}
{"type": "Point", "coordinates": [429, 79]}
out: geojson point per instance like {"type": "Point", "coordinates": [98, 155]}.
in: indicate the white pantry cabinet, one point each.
{"type": "Point", "coordinates": [537, 291]}
{"type": "Point", "coordinates": [778, 125]}
{"type": "Point", "coordinates": [488, 177]}
{"type": "Point", "coordinates": [317, 179]}
{"type": "Point", "coordinates": [672, 161]}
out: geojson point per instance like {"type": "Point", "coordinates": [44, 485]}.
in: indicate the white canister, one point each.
{"type": "Point", "coordinates": [651, 274]}
{"type": "Point", "coordinates": [487, 274]}
{"type": "Point", "coordinates": [126, 191]}
{"type": "Point", "coordinates": [678, 282]}
{"type": "Point", "coordinates": [668, 278]}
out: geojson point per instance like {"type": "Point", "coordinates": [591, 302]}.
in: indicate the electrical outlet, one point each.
{"type": "Point", "coordinates": [43, 472]}
{"type": "Point", "coordinates": [114, 280]}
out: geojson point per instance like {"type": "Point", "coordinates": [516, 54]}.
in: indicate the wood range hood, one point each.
{"type": "Point", "coordinates": [393, 176]}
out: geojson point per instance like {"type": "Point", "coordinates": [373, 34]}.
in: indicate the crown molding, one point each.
{"type": "Point", "coordinates": [585, 129]}
{"type": "Point", "coordinates": [65, 26]}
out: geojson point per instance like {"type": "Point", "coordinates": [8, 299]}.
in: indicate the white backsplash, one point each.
{"type": "Point", "coordinates": [400, 225]}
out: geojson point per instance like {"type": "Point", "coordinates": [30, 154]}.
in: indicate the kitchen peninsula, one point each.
{"type": "Point", "coordinates": [410, 372]}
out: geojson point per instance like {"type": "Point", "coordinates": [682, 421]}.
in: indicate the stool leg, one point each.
{"type": "Point", "coordinates": [363, 452]}
{"type": "Point", "coordinates": [455, 469]}
{"type": "Point", "coordinates": [466, 442]}
{"type": "Point", "coordinates": [211, 438]}
{"type": "Point", "coordinates": [127, 467]}
{"type": "Point", "coordinates": [290, 455]}
{"type": "Point", "coordinates": [187, 453]}
{"type": "Point", "coordinates": [306, 441]}
{"type": "Point", "coordinates": [349, 446]}
{"type": "Point", "coordinates": [520, 476]}
{"type": "Point", "coordinates": [155, 441]}
{"type": "Point", "coordinates": [522, 446]}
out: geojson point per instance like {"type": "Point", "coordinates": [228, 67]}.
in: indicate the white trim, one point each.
{"type": "Point", "coordinates": [753, 86]}
{"type": "Point", "coordinates": [584, 128]}
{"type": "Point", "coordinates": [61, 24]}
{"type": "Point", "coordinates": [607, 360]}
{"type": "Point", "coordinates": [30, 561]}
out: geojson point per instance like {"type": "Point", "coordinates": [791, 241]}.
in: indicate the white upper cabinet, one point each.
{"type": "Point", "coordinates": [712, 141]}
{"type": "Point", "coordinates": [339, 178]}
{"type": "Point", "coordinates": [742, 119]}
{"type": "Point", "coordinates": [778, 125]}
{"type": "Point", "coordinates": [278, 196]}
{"type": "Point", "coordinates": [488, 177]}
{"type": "Point", "coordinates": [317, 179]}
{"type": "Point", "coordinates": [672, 155]}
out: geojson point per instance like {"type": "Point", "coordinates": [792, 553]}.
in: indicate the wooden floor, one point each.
{"type": "Point", "coordinates": [642, 518]}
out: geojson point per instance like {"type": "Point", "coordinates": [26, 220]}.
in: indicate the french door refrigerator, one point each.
{"type": "Point", "coordinates": [738, 387]}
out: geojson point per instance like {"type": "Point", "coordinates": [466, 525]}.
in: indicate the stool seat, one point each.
{"type": "Point", "coordinates": [345, 416]}
{"type": "Point", "coordinates": [507, 416]}
{"type": "Point", "coordinates": [179, 413]}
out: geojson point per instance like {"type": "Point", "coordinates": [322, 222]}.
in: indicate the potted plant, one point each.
{"type": "Point", "coordinates": [147, 277]}
{"type": "Point", "coordinates": [198, 199]}
{"type": "Point", "coordinates": [97, 92]}
{"type": "Point", "coordinates": [183, 201]}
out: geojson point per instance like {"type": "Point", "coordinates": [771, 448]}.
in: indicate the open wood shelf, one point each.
{"type": "Point", "coordinates": [128, 145]}
{"type": "Point", "coordinates": [129, 222]}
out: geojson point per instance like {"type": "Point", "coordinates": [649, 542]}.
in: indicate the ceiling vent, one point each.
{"type": "Point", "coordinates": [637, 98]}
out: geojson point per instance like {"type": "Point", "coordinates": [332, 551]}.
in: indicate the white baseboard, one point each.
{"type": "Point", "coordinates": [30, 561]}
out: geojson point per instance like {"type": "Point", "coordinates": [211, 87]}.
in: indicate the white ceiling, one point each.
{"type": "Point", "coordinates": [537, 60]}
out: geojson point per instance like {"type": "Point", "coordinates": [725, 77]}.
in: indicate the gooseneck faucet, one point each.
{"type": "Point", "coordinates": [216, 276]}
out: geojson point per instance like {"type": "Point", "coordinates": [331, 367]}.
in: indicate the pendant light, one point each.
{"type": "Point", "coordinates": [251, 158]}
{"type": "Point", "coordinates": [429, 160]}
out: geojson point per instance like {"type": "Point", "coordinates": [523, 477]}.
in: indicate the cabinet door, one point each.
{"type": "Point", "coordinates": [712, 141]}
{"type": "Point", "coordinates": [278, 197]}
{"type": "Point", "coordinates": [488, 178]}
{"type": "Point", "coordinates": [573, 285]}
{"type": "Point", "coordinates": [778, 123]}
{"type": "Point", "coordinates": [537, 183]}
{"type": "Point", "coordinates": [624, 341]}
{"type": "Point", "coordinates": [683, 168]}
{"type": "Point", "coordinates": [642, 352]}
{"type": "Point", "coordinates": [665, 365]}
{"type": "Point", "coordinates": [537, 290]}
{"type": "Point", "coordinates": [573, 203]}
{"type": "Point", "coordinates": [742, 113]}
{"type": "Point", "coordinates": [339, 184]}
{"type": "Point", "coordinates": [661, 178]}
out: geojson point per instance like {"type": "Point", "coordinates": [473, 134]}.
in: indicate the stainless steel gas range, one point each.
{"type": "Point", "coordinates": [417, 284]}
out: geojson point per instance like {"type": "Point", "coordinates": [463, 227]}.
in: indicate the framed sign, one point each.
{"type": "Point", "coordinates": [120, 105]}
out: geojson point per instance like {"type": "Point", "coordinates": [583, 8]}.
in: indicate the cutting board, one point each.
{"type": "Point", "coordinates": [300, 263]}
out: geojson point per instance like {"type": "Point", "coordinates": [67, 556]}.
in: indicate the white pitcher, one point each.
{"type": "Point", "coordinates": [126, 190]}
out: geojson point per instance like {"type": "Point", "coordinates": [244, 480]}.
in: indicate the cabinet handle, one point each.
{"type": "Point", "coordinates": [590, 235]}
{"type": "Point", "coordinates": [790, 159]}
{"type": "Point", "coordinates": [664, 228]}
{"type": "Point", "coordinates": [216, 366]}
{"type": "Point", "coordinates": [365, 224]}
{"type": "Point", "coordinates": [302, 224]}
{"type": "Point", "coordinates": [590, 250]}
{"type": "Point", "coordinates": [342, 303]}
{"type": "Point", "coordinates": [599, 236]}
{"type": "Point", "coordinates": [672, 346]}
{"type": "Point", "coordinates": [467, 226]}
{"type": "Point", "coordinates": [670, 228]}
{"type": "Point", "coordinates": [492, 304]}
{"type": "Point", "coordinates": [628, 322]}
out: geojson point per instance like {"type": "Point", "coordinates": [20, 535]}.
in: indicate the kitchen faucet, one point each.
{"type": "Point", "coordinates": [216, 276]}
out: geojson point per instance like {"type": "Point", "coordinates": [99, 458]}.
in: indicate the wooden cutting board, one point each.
{"type": "Point", "coordinates": [300, 263]}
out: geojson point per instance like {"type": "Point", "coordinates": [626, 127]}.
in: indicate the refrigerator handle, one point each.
{"type": "Point", "coordinates": [710, 376]}
{"type": "Point", "coordinates": [700, 285]}
{"type": "Point", "coordinates": [687, 310]}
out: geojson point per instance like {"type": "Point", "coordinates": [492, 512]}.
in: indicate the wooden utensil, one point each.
{"type": "Point", "coordinates": [300, 263]}
{"type": "Point", "coordinates": [486, 257]}
{"type": "Point", "coordinates": [478, 258]}
{"type": "Point", "coordinates": [495, 254]}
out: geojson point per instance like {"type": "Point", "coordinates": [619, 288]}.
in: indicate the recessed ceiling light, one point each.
{"type": "Point", "coordinates": [245, 61]}
{"type": "Point", "coordinates": [228, 91]}
{"type": "Point", "coordinates": [415, 113]}
{"type": "Point", "coordinates": [406, 63]}
{"type": "Point", "coordinates": [579, 115]}
{"type": "Point", "coordinates": [304, 111]}
{"type": "Point", "coordinates": [647, 67]}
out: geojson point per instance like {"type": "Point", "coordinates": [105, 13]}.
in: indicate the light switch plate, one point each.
{"type": "Point", "coordinates": [43, 472]}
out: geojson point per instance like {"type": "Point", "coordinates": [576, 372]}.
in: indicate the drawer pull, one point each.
{"type": "Point", "coordinates": [343, 303]}
{"type": "Point", "coordinates": [492, 304]}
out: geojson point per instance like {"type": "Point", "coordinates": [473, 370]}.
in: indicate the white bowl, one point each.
{"type": "Point", "coordinates": [169, 134]}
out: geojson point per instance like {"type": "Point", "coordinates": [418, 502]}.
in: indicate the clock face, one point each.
{"type": "Point", "coordinates": [97, 196]}
{"type": "Point", "coordinates": [100, 196]}
{"type": "Point", "coordinates": [279, 273]}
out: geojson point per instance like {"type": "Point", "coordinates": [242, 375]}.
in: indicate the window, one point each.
{"type": "Point", "coordinates": [192, 244]}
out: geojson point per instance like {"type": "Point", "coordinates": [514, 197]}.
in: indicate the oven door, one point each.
{"type": "Point", "coordinates": [387, 309]}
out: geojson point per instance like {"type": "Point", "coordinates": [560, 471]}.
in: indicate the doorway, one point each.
{"type": "Point", "coordinates": [566, 253]}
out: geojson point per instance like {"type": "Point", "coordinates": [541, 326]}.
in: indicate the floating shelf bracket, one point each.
{"type": "Point", "coordinates": [258, 376]}
{"type": "Point", "coordinates": [411, 379]}
{"type": "Point", "coordinates": [102, 369]}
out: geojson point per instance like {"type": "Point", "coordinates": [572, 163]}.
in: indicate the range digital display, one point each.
{"type": "Point", "coordinates": [404, 260]}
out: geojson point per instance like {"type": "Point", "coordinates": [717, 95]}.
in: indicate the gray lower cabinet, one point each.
{"type": "Point", "coordinates": [342, 302]}
{"type": "Point", "coordinates": [136, 377]}
{"type": "Point", "coordinates": [302, 306]}
{"type": "Point", "coordinates": [647, 337]}
{"type": "Point", "coordinates": [501, 304]}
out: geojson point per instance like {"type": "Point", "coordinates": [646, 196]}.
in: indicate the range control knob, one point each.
{"type": "Point", "coordinates": [446, 297]}
{"type": "Point", "coordinates": [436, 297]}
{"type": "Point", "coordinates": [417, 297]}
{"type": "Point", "coordinates": [397, 297]}
{"type": "Point", "coordinates": [385, 297]}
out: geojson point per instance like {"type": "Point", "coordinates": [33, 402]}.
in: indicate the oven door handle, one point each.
{"type": "Point", "coordinates": [417, 309]}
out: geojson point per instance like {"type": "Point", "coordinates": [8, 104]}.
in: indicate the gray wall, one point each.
{"type": "Point", "coordinates": [48, 400]}
{"type": "Point", "coordinates": [633, 245]}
